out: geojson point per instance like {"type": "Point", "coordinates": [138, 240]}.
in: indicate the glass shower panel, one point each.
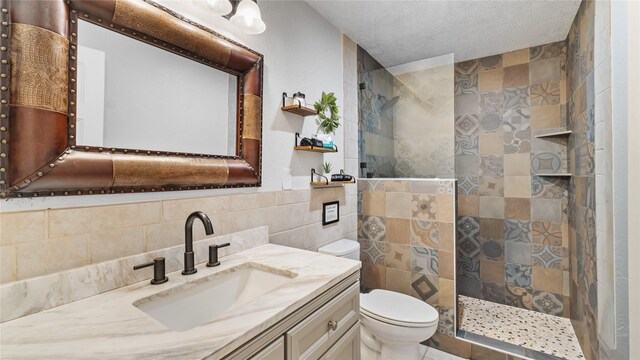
{"type": "Point", "coordinates": [406, 112]}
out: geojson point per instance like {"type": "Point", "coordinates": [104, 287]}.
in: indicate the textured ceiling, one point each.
{"type": "Point", "coordinates": [397, 32]}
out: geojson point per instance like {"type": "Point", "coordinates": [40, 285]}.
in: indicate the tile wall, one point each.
{"type": "Point", "coordinates": [406, 234]}
{"type": "Point", "coordinates": [582, 194]}
{"type": "Point", "coordinates": [41, 242]}
{"type": "Point", "coordinates": [512, 227]}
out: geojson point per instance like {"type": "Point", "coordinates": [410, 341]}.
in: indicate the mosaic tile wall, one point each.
{"type": "Point", "coordinates": [406, 234]}
{"type": "Point", "coordinates": [582, 203]}
{"type": "Point", "coordinates": [375, 114]}
{"type": "Point", "coordinates": [512, 227]}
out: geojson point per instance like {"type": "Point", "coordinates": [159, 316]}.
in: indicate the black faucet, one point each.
{"type": "Point", "coordinates": [189, 262]}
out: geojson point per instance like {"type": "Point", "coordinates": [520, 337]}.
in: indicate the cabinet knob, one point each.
{"type": "Point", "coordinates": [333, 325]}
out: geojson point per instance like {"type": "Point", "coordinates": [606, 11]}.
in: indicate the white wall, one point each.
{"type": "Point", "coordinates": [303, 52]}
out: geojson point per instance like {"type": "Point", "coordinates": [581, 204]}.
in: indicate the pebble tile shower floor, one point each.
{"type": "Point", "coordinates": [529, 333]}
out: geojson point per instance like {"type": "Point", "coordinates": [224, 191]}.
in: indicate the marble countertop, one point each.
{"type": "Point", "coordinates": [108, 326]}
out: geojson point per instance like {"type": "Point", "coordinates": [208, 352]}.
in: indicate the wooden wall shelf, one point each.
{"type": "Point", "coordinates": [322, 184]}
{"type": "Point", "coordinates": [315, 149]}
{"type": "Point", "coordinates": [299, 110]}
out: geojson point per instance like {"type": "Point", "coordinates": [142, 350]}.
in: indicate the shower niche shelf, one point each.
{"type": "Point", "coordinates": [564, 175]}
{"type": "Point", "coordinates": [318, 149]}
{"type": "Point", "coordinates": [554, 134]}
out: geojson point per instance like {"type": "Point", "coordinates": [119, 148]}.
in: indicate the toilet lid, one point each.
{"type": "Point", "coordinates": [396, 308]}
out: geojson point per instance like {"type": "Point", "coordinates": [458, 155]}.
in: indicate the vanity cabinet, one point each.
{"type": "Point", "coordinates": [327, 328]}
{"type": "Point", "coordinates": [275, 351]}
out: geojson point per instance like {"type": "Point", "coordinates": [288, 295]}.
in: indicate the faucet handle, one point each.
{"type": "Point", "coordinates": [213, 254]}
{"type": "Point", "coordinates": [158, 270]}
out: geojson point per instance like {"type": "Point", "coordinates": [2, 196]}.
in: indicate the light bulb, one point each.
{"type": "Point", "coordinates": [247, 18]}
{"type": "Point", "coordinates": [220, 7]}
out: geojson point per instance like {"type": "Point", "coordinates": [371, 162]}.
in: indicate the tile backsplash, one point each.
{"type": "Point", "coordinates": [406, 232]}
{"type": "Point", "coordinates": [40, 242]}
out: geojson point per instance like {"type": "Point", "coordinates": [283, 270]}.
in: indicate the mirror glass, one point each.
{"type": "Point", "coordinates": [134, 95]}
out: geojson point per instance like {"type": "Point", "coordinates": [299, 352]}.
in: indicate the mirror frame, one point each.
{"type": "Point", "coordinates": [38, 152]}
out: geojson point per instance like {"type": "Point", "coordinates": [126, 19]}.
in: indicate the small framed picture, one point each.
{"type": "Point", "coordinates": [330, 212]}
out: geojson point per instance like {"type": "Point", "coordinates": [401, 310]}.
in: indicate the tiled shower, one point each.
{"type": "Point", "coordinates": [525, 201]}
{"type": "Point", "coordinates": [512, 231]}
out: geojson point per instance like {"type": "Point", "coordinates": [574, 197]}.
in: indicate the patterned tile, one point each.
{"type": "Point", "coordinates": [547, 256]}
{"type": "Point", "coordinates": [468, 267]}
{"type": "Point", "coordinates": [424, 287]}
{"type": "Point", "coordinates": [373, 228]}
{"type": "Point", "coordinates": [373, 251]}
{"type": "Point", "coordinates": [466, 144]}
{"type": "Point", "coordinates": [398, 256]}
{"type": "Point", "coordinates": [517, 142]}
{"type": "Point", "coordinates": [445, 323]}
{"type": "Point", "coordinates": [491, 102]}
{"type": "Point", "coordinates": [491, 186]}
{"type": "Point", "coordinates": [424, 207]}
{"type": "Point", "coordinates": [548, 188]}
{"type": "Point", "coordinates": [466, 84]}
{"type": "Point", "coordinates": [492, 249]}
{"type": "Point", "coordinates": [519, 297]}
{"type": "Point", "coordinates": [548, 303]}
{"type": "Point", "coordinates": [493, 292]}
{"type": "Point", "coordinates": [445, 187]}
{"type": "Point", "coordinates": [545, 163]}
{"type": "Point", "coordinates": [490, 122]}
{"type": "Point", "coordinates": [424, 261]}
{"type": "Point", "coordinates": [547, 51]}
{"type": "Point", "coordinates": [490, 62]}
{"type": "Point", "coordinates": [546, 233]}
{"type": "Point", "coordinates": [468, 246]}
{"type": "Point", "coordinates": [516, 119]}
{"type": "Point", "coordinates": [491, 165]}
{"type": "Point", "coordinates": [516, 98]}
{"type": "Point", "coordinates": [518, 275]}
{"type": "Point", "coordinates": [425, 233]}
{"type": "Point", "coordinates": [466, 67]}
{"type": "Point", "coordinates": [468, 227]}
{"type": "Point", "coordinates": [468, 185]}
{"type": "Point", "coordinates": [517, 231]}
{"type": "Point", "coordinates": [545, 94]}
{"type": "Point", "coordinates": [467, 124]}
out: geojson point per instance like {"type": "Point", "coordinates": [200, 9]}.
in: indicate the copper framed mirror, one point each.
{"type": "Point", "coordinates": [39, 152]}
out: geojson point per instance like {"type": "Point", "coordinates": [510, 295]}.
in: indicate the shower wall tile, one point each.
{"type": "Point", "coordinates": [507, 214]}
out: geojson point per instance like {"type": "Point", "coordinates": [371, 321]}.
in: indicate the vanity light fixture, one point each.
{"type": "Point", "coordinates": [244, 14]}
{"type": "Point", "coordinates": [219, 7]}
{"type": "Point", "coordinates": [248, 18]}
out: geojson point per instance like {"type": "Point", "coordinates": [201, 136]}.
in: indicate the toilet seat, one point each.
{"type": "Point", "coordinates": [397, 309]}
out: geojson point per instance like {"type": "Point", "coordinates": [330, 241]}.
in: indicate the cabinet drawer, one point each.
{"type": "Point", "coordinates": [347, 348]}
{"type": "Point", "coordinates": [273, 351]}
{"type": "Point", "coordinates": [316, 334]}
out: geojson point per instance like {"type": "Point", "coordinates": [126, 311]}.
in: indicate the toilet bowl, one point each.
{"type": "Point", "coordinates": [392, 324]}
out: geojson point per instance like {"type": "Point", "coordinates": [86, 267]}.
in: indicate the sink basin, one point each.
{"type": "Point", "coordinates": [195, 303]}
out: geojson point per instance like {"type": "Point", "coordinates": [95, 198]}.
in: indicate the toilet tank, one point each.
{"type": "Point", "coordinates": [342, 248]}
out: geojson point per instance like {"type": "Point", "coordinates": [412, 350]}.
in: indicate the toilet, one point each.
{"type": "Point", "coordinates": [393, 324]}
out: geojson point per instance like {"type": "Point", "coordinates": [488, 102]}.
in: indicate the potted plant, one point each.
{"type": "Point", "coordinates": [328, 112]}
{"type": "Point", "coordinates": [326, 169]}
